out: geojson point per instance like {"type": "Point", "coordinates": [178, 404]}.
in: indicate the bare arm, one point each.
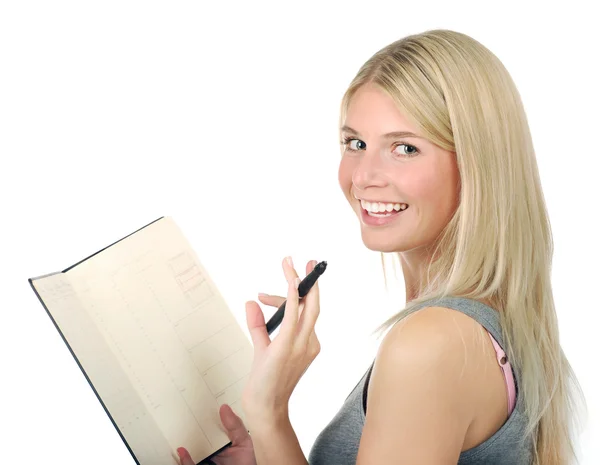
{"type": "Point", "coordinates": [275, 442]}
{"type": "Point", "coordinates": [419, 407]}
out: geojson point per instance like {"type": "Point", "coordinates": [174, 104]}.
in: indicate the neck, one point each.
{"type": "Point", "coordinates": [414, 264]}
{"type": "Point", "coordinates": [414, 268]}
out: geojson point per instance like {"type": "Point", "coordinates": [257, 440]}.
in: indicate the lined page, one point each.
{"type": "Point", "coordinates": [171, 332]}
{"type": "Point", "coordinates": [120, 398]}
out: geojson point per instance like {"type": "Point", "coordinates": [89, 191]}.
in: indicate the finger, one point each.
{"type": "Point", "coordinates": [271, 300]}
{"type": "Point", "coordinates": [310, 265]}
{"type": "Point", "coordinates": [309, 316]}
{"type": "Point", "coordinates": [290, 318]}
{"type": "Point", "coordinates": [184, 456]}
{"type": "Point", "coordinates": [236, 430]}
{"type": "Point", "coordinates": [288, 270]}
{"type": "Point", "coordinates": [276, 301]}
{"type": "Point", "coordinates": [255, 321]}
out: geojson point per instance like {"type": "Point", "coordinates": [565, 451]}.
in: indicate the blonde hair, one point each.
{"type": "Point", "coordinates": [498, 245]}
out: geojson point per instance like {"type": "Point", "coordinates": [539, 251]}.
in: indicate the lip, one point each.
{"type": "Point", "coordinates": [380, 201]}
{"type": "Point", "coordinates": [375, 221]}
{"type": "Point", "coordinates": [376, 201]}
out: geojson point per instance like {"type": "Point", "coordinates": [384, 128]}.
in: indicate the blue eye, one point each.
{"type": "Point", "coordinates": [346, 142]}
{"type": "Point", "coordinates": [411, 154]}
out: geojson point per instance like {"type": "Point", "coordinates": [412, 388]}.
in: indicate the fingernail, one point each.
{"type": "Point", "coordinates": [261, 294]}
{"type": "Point", "coordinates": [297, 282]}
{"type": "Point", "coordinates": [289, 260]}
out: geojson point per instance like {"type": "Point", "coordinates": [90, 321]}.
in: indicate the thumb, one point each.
{"type": "Point", "coordinates": [236, 430]}
{"type": "Point", "coordinates": [184, 456]}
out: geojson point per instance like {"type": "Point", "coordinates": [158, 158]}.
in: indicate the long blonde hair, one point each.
{"type": "Point", "coordinates": [498, 245]}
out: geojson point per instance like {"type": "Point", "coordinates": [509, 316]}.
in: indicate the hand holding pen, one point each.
{"type": "Point", "coordinates": [305, 285]}
{"type": "Point", "coordinates": [279, 364]}
{"type": "Point", "coordinates": [273, 380]}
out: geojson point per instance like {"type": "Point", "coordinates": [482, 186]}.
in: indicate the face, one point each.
{"type": "Point", "coordinates": [382, 173]}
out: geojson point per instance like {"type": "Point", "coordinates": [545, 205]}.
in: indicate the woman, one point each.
{"type": "Point", "coordinates": [438, 165]}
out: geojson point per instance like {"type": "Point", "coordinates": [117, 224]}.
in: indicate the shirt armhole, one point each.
{"type": "Point", "coordinates": [509, 379]}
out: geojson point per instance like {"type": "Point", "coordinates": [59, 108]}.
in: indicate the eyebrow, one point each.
{"type": "Point", "coordinates": [389, 135]}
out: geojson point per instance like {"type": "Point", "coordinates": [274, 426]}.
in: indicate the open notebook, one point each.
{"type": "Point", "coordinates": [155, 340]}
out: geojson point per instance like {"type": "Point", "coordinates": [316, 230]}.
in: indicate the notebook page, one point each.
{"type": "Point", "coordinates": [128, 412]}
{"type": "Point", "coordinates": [171, 331]}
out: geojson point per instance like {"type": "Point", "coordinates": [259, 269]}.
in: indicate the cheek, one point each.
{"type": "Point", "coordinates": [419, 185]}
{"type": "Point", "coordinates": [432, 189]}
{"type": "Point", "coordinates": [345, 171]}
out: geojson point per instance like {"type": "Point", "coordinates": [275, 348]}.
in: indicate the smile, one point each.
{"type": "Point", "coordinates": [382, 207]}
{"type": "Point", "coordinates": [369, 217]}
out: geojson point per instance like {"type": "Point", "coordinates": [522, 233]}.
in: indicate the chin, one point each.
{"type": "Point", "coordinates": [378, 248]}
{"type": "Point", "coordinates": [387, 242]}
{"type": "Point", "coordinates": [385, 245]}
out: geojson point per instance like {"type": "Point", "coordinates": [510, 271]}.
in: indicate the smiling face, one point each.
{"type": "Point", "coordinates": [394, 170]}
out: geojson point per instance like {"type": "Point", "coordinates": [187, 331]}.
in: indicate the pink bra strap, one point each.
{"type": "Point", "coordinates": [508, 374]}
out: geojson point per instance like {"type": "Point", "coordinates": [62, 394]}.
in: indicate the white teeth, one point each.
{"type": "Point", "coordinates": [375, 207]}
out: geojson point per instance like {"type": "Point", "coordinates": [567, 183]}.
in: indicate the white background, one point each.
{"type": "Point", "coordinates": [224, 116]}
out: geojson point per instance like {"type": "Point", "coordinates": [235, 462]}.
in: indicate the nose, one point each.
{"type": "Point", "coordinates": [368, 172]}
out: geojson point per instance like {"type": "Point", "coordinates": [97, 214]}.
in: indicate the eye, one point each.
{"type": "Point", "coordinates": [409, 154]}
{"type": "Point", "coordinates": [346, 142]}
{"type": "Point", "coordinates": [413, 151]}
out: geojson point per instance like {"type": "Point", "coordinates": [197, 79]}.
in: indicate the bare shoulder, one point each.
{"type": "Point", "coordinates": [437, 328]}
{"type": "Point", "coordinates": [422, 392]}
{"type": "Point", "coordinates": [445, 344]}
{"type": "Point", "coordinates": [435, 337]}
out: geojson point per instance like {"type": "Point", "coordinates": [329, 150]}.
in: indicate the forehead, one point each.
{"type": "Point", "coordinates": [372, 112]}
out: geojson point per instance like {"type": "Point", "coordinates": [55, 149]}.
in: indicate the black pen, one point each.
{"type": "Point", "coordinates": [303, 288]}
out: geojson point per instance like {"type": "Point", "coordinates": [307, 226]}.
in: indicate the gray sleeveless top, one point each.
{"type": "Point", "coordinates": [338, 443]}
